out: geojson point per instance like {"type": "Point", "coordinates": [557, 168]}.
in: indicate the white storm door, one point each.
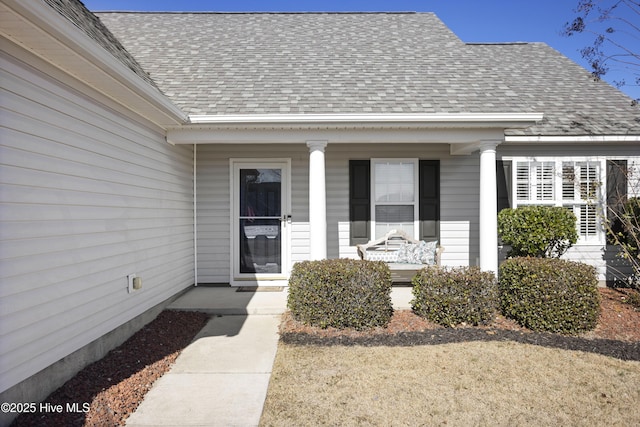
{"type": "Point", "coordinates": [261, 221]}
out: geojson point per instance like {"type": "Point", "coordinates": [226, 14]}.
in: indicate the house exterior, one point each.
{"type": "Point", "coordinates": [376, 121]}
{"type": "Point", "coordinates": [189, 148]}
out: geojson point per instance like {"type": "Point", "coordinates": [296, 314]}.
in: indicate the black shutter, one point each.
{"type": "Point", "coordinates": [503, 178]}
{"type": "Point", "coordinates": [429, 188]}
{"type": "Point", "coordinates": [616, 192]}
{"type": "Point", "coordinates": [359, 201]}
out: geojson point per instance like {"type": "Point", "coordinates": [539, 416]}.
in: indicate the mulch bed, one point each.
{"type": "Point", "coordinates": [617, 333]}
{"type": "Point", "coordinates": [115, 385]}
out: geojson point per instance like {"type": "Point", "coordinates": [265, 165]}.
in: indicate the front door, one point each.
{"type": "Point", "coordinates": [261, 221]}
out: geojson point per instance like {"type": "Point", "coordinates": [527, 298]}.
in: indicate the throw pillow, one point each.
{"type": "Point", "coordinates": [417, 253]}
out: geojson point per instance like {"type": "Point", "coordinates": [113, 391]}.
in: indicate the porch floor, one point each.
{"type": "Point", "coordinates": [225, 300]}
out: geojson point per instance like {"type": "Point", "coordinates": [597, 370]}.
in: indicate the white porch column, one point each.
{"type": "Point", "coordinates": [317, 200]}
{"type": "Point", "coordinates": [488, 207]}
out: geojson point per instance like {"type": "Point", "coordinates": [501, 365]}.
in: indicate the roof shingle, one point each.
{"type": "Point", "coordinates": [572, 102]}
{"type": "Point", "coordinates": [81, 17]}
{"type": "Point", "coordinates": [322, 63]}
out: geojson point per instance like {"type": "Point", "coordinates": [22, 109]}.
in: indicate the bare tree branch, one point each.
{"type": "Point", "coordinates": [608, 20]}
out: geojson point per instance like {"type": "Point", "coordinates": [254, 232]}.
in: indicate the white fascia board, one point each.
{"type": "Point", "coordinates": [572, 139]}
{"type": "Point", "coordinates": [62, 30]}
{"type": "Point", "coordinates": [344, 135]}
{"type": "Point", "coordinates": [497, 120]}
{"type": "Point", "coordinates": [349, 128]}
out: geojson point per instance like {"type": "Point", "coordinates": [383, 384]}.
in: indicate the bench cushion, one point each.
{"type": "Point", "coordinates": [382, 255]}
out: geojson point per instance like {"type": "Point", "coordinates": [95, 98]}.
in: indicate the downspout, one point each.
{"type": "Point", "coordinates": [195, 219]}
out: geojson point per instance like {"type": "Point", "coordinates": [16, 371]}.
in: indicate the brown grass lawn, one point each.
{"type": "Point", "coordinates": [496, 383]}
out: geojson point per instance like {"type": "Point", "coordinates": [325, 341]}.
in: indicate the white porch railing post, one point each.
{"type": "Point", "coordinates": [317, 201]}
{"type": "Point", "coordinates": [488, 207]}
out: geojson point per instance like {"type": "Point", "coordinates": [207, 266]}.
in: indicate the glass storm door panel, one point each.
{"type": "Point", "coordinates": [260, 221]}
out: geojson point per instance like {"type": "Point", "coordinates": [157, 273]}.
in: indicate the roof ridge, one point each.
{"type": "Point", "coordinates": [174, 12]}
{"type": "Point", "coordinates": [499, 43]}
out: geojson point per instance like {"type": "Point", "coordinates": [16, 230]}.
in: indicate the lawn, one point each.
{"type": "Point", "coordinates": [497, 383]}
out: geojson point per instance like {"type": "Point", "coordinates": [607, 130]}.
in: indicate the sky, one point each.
{"type": "Point", "coordinates": [470, 20]}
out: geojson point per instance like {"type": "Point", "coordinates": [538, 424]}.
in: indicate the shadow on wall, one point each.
{"type": "Point", "coordinates": [618, 269]}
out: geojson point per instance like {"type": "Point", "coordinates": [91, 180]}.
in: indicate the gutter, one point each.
{"type": "Point", "coordinates": [571, 139]}
{"type": "Point", "coordinates": [507, 120]}
{"type": "Point", "coordinates": [460, 128]}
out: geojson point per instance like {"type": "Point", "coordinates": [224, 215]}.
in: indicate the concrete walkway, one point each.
{"type": "Point", "coordinates": [222, 377]}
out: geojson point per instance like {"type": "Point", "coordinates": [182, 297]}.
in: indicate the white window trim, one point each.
{"type": "Point", "coordinates": [599, 238]}
{"type": "Point", "coordinates": [416, 194]}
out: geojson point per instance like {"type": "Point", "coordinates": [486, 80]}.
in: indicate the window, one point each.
{"type": "Point", "coordinates": [427, 199]}
{"type": "Point", "coordinates": [534, 182]}
{"type": "Point", "coordinates": [580, 182]}
{"type": "Point", "coordinates": [574, 185]}
{"type": "Point", "coordinates": [395, 202]}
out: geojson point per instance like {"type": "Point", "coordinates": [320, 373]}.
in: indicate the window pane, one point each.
{"type": "Point", "coordinates": [588, 181]}
{"type": "Point", "coordinates": [544, 181]}
{"type": "Point", "coordinates": [587, 221]}
{"type": "Point", "coordinates": [260, 246]}
{"type": "Point", "coordinates": [535, 181]}
{"type": "Point", "coordinates": [390, 217]}
{"type": "Point", "coordinates": [394, 213]}
{"type": "Point", "coordinates": [522, 181]}
{"type": "Point", "coordinates": [382, 229]}
{"type": "Point", "coordinates": [260, 191]}
{"type": "Point", "coordinates": [394, 182]}
{"type": "Point", "coordinates": [568, 181]}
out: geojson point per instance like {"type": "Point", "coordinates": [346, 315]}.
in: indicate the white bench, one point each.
{"type": "Point", "coordinates": [404, 254]}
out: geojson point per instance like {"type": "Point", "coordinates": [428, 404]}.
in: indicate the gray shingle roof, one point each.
{"type": "Point", "coordinates": [82, 18]}
{"type": "Point", "coordinates": [572, 102]}
{"type": "Point", "coordinates": [315, 63]}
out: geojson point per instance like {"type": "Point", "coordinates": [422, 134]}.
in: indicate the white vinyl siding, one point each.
{"type": "Point", "coordinates": [88, 196]}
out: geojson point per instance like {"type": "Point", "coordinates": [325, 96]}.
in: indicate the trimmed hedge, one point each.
{"type": "Point", "coordinates": [550, 294]}
{"type": "Point", "coordinates": [453, 296]}
{"type": "Point", "coordinates": [539, 231]}
{"type": "Point", "coordinates": [341, 293]}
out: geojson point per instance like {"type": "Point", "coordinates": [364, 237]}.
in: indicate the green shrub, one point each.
{"type": "Point", "coordinates": [341, 293]}
{"type": "Point", "coordinates": [633, 299]}
{"type": "Point", "coordinates": [453, 296]}
{"type": "Point", "coordinates": [550, 294]}
{"type": "Point", "coordinates": [537, 231]}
